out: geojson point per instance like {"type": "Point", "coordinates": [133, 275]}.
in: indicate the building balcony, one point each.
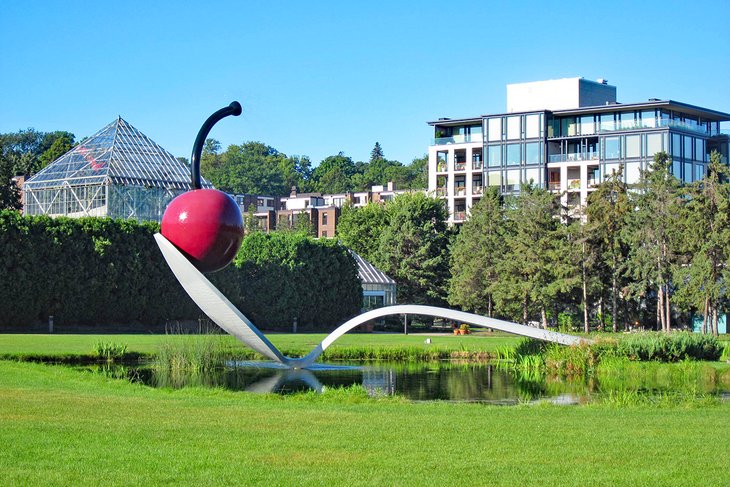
{"type": "Point", "coordinates": [460, 166]}
{"type": "Point", "coordinates": [440, 192]}
{"type": "Point", "coordinates": [458, 139]}
{"type": "Point", "coordinates": [573, 184]}
{"type": "Point", "coordinates": [477, 165]}
{"type": "Point", "coordinates": [554, 185]}
{"type": "Point", "coordinates": [629, 125]}
{"type": "Point", "coordinates": [441, 167]}
{"type": "Point", "coordinates": [576, 156]}
{"type": "Point", "coordinates": [477, 190]}
{"type": "Point", "coordinates": [460, 191]}
{"type": "Point", "coordinates": [459, 216]}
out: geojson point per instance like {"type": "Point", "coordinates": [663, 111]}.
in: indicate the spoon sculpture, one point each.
{"type": "Point", "coordinates": [201, 232]}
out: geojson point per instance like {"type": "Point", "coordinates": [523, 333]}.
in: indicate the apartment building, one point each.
{"type": "Point", "coordinates": [567, 135]}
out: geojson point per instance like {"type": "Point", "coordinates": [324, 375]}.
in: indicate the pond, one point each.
{"type": "Point", "coordinates": [493, 383]}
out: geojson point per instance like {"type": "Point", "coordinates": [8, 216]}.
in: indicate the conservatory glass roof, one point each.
{"type": "Point", "coordinates": [118, 154]}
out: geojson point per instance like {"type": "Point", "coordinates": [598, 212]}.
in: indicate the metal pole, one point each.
{"type": "Point", "coordinates": [50, 324]}
{"type": "Point", "coordinates": [405, 324]}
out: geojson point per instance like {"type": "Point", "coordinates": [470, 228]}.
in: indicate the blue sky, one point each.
{"type": "Point", "coordinates": [317, 78]}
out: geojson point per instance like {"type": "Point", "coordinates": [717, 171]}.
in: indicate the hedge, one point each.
{"type": "Point", "coordinates": [89, 271]}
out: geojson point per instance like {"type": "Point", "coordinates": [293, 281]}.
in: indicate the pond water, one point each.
{"type": "Point", "coordinates": [483, 382]}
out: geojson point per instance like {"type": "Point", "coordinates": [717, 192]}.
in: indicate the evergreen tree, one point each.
{"type": "Point", "coordinates": [475, 254]}
{"type": "Point", "coordinates": [377, 153]}
{"type": "Point", "coordinates": [705, 242]}
{"type": "Point", "coordinates": [360, 228]}
{"type": "Point", "coordinates": [651, 236]}
{"type": "Point", "coordinates": [606, 212]}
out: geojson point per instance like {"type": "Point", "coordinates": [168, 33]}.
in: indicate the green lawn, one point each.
{"type": "Point", "coordinates": [63, 427]}
{"type": "Point", "coordinates": [19, 344]}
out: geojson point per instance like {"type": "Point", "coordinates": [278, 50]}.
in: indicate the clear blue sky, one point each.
{"type": "Point", "coordinates": [316, 78]}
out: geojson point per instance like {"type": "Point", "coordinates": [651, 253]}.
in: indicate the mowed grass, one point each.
{"type": "Point", "coordinates": [50, 345]}
{"type": "Point", "coordinates": [63, 427]}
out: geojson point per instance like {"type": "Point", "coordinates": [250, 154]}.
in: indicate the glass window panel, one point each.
{"type": "Point", "coordinates": [513, 127]}
{"type": "Point", "coordinates": [648, 119]}
{"type": "Point", "coordinates": [633, 172]}
{"type": "Point", "coordinates": [513, 155]}
{"type": "Point", "coordinates": [532, 153]}
{"type": "Point", "coordinates": [676, 145]}
{"type": "Point", "coordinates": [494, 154]}
{"type": "Point", "coordinates": [494, 178]}
{"type": "Point", "coordinates": [495, 128]}
{"type": "Point", "coordinates": [607, 122]}
{"type": "Point", "coordinates": [513, 180]}
{"type": "Point", "coordinates": [609, 169]}
{"type": "Point", "coordinates": [532, 175]}
{"type": "Point", "coordinates": [633, 146]}
{"type": "Point", "coordinates": [699, 150]}
{"type": "Point", "coordinates": [688, 172]}
{"type": "Point", "coordinates": [699, 171]}
{"type": "Point", "coordinates": [532, 126]}
{"type": "Point", "coordinates": [676, 169]}
{"type": "Point", "coordinates": [613, 147]}
{"type": "Point", "coordinates": [442, 156]}
{"type": "Point", "coordinates": [654, 144]}
{"type": "Point", "coordinates": [587, 126]}
{"type": "Point", "coordinates": [687, 148]}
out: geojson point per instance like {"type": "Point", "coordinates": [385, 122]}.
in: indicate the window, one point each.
{"type": "Point", "coordinates": [513, 128]}
{"type": "Point", "coordinates": [676, 146]}
{"type": "Point", "coordinates": [532, 153]}
{"type": "Point", "coordinates": [610, 169]}
{"type": "Point", "coordinates": [513, 155]}
{"type": "Point", "coordinates": [699, 150]}
{"type": "Point", "coordinates": [568, 126]}
{"type": "Point", "coordinates": [494, 126]}
{"type": "Point", "coordinates": [699, 171]}
{"type": "Point", "coordinates": [494, 153]}
{"type": "Point", "coordinates": [442, 156]}
{"type": "Point", "coordinates": [612, 147]}
{"type": "Point", "coordinates": [688, 148]}
{"type": "Point", "coordinates": [677, 169]}
{"type": "Point", "coordinates": [648, 119]}
{"type": "Point", "coordinates": [532, 126]}
{"type": "Point", "coordinates": [633, 146]}
{"type": "Point", "coordinates": [513, 180]}
{"type": "Point", "coordinates": [494, 178]}
{"type": "Point", "coordinates": [324, 219]}
{"type": "Point", "coordinates": [587, 127]}
{"type": "Point", "coordinates": [324, 234]}
{"type": "Point", "coordinates": [632, 172]}
{"type": "Point", "coordinates": [607, 122]}
{"type": "Point", "coordinates": [688, 172]}
{"type": "Point", "coordinates": [532, 176]}
{"type": "Point", "coordinates": [654, 144]}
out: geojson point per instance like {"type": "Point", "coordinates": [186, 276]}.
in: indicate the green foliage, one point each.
{"type": "Point", "coordinates": [102, 271]}
{"type": "Point", "coordinates": [281, 276]}
{"type": "Point", "coordinates": [110, 351]}
{"type": "Point", "coordinates": [360, 228]}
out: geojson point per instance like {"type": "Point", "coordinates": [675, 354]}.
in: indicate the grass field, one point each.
{"type": "Point", "coordinates": [63, 427]}
{"type": "Point", "coordinates": [50, 345]}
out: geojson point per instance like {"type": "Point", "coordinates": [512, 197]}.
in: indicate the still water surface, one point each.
{"type": "Point", "coordinates": [484, 382]}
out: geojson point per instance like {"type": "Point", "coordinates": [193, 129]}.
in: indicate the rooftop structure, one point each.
{"type": "Point", "coordinates": [118, 172]}
{"type": "Point", "coordinates": [551, 137]}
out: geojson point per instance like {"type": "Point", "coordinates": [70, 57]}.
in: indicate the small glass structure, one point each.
{"type": "Point", "coordinates": [378, 289]}
{"type": "Point", "coordinates": [118, 172]}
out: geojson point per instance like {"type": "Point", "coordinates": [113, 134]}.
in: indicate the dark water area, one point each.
{"type": "Point", "coordinates": [446, 381]}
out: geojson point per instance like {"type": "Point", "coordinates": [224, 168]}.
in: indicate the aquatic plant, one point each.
{"type": "Point", "coordinates": [110, 351]}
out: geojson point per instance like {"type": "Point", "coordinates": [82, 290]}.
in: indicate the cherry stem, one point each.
{"type": "Point", "coordinates": [233, 109]}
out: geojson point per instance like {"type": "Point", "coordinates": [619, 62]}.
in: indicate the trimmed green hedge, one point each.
{"type": "Point", "coordinates": [90, 271]}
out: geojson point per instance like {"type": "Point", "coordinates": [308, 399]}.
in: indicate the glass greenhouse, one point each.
{"type": "Point", "coordinates": [118, 172]}
{"type": "Point", "coordinates": [378, 289]}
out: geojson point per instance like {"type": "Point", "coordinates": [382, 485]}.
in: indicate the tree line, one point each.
{"type": "Point", "coordinates": [650, 254]}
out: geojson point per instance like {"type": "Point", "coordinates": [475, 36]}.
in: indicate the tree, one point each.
{"type": "Point", "coordinates": [377, 153]}
{"type": "Point", "coordinates": [360, 228]}
{"type": "Point", "coordinates": [418, 169]}
{"type": "Point", "coordinates": [475, 255]}
{"type": "Point", "coordinates": [533, 267]}
{"type": "Point", "coordinates": [606, 211]}
{"type": "Point", "coordinates": [334, 174]}
{"type": "Point", "coordinates": [9, 192]}
{"type": "Point", "coordinates": [250, 168]}
{"type": "Point", "coordinates": [651, 236]}
{"type": "Point", "coordinates": [413, 248]}
{"type": "Point", "coordinates": [703, 276]}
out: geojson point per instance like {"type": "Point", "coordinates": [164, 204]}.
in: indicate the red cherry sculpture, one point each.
{"type": "Point", "coordinates": [205, 224]}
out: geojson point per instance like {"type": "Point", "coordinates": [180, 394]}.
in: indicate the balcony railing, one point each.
{"type": "Point", "coordinates": [459, 166]}
{"type": "Point", "coordinates": [477, 165]}
{"type": "Point", "coordinates": [477, 190]}
{"type": "Point", "coordinates": [575, 156]}
{"type": "Point", "coordinates": [593, 183]}
{"type": "Point", "coordinates": [460, 191]}
{"type": "Point", "coordinates": [554, 186]}
{"type": "Point", "coordinates": [459, 216]}
{"type": "Point", "coordinates": [626, 125]}
{"type": "Point", "coordinates": [440, 191]}
{"type": "Point", "coordinates": [457, 139]}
